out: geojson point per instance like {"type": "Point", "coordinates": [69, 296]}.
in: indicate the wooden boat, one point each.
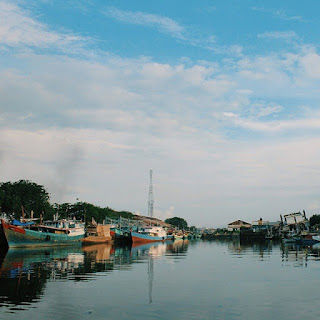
{"type": "Point", "coordinates": [62, 232]}
{"type": "Point", "coordinates": [150, 234]}
{"type": "Point", "coordinates": [97, 234]}
{"type": "Point", "coordinates": [122, 234]}
{"type": "Point", "coordinates": [120, 229]}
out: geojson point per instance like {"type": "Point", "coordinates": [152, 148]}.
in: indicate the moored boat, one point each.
{"type": "Point", "coordinates": [122, 234]}
{"type": "Point", "coordinates": [97, 234]}
{"type": "Point", "coordinates": [305, 238]}
{"type": "Point", "coordinates": [120, 229]}
{"type": "Point", "coordinates": [150, 234]}
{"type": "Point", "coordinates": [62, 232]}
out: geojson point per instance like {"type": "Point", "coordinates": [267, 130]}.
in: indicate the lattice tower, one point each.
{"type": "Point", "coordinates": [150, 200]}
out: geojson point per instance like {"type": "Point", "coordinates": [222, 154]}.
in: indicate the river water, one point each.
{"type": "Point", "coordinates": [176, 280]}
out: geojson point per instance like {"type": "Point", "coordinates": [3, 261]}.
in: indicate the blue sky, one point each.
{"type": "Point", "coordinates": [219, 98]}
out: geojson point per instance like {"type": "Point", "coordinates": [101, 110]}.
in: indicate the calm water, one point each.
{"type": "Point", "coordinates": [180, 280]}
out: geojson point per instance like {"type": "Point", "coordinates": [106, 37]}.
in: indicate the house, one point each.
{"type": "Point", "coordinates": [237, 225]}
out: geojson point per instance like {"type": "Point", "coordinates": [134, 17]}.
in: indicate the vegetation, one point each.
{"type": "Point", "coordinates": [26, 194]}
{"type": "Point", "coordinates": [178, 222]}
{"type": "Point", "coordinates": [33, 197]}
{"type": "Point", "coordinates": [87, 211]}
{"type": "Point", "coordinates": [314, 220]}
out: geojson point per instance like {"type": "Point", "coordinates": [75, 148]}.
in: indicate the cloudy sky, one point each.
{"type": "Point", "coordinates": [219, 98]}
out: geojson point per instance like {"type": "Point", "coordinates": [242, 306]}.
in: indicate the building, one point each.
{"type": "Point", "coordinates": [260, 225]}
{"type": "Point", "coordinates": [237, 225]}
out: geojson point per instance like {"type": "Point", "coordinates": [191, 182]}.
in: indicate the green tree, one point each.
{"type": "Point", "coordinates": [315, 219]}
{"type": "Point", "coordinates": [178, 222]}
{"type": "Point", "coordinates": [87, 211]}
{"type": "Point", "coordinates": [26, 194]}
{"type": "Point", "coordinates": [31, 196]}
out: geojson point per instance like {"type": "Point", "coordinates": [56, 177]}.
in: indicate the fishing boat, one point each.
{"type": "Point", "coordinates": [97, 234]}
{"type": "Point", "coordinates": [120, 229]}
{"type": "Point", "coordinates": [61, 232]}
{"type": "Point", "coordinates": [150, 234]}
{"type": "Point", "coordinates": [121, 234]}
{"type": "Point", "coordinates": [304, 238]}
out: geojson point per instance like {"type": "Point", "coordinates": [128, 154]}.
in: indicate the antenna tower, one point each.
{"type": "Point", "coordinates": [150, 200]}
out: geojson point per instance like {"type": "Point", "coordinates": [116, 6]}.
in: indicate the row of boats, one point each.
{"type": "Point", "coordinates": [68, 231]}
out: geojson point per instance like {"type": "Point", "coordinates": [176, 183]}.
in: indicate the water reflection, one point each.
{"type": "Point", "coordinates": [261, 249]}
{"type": "Point", "coordinates": [152, 252]}
{"type": "Point", "coordinates": [210, 277]}
{"type": "Point", "coordinates": [24, 273]}
{"type": "Point", "coordinates": [300, 255]}
{"type": "Point", "coordinates": [179, 247]}
{"type": "Point", "coordinates": [291, 254]}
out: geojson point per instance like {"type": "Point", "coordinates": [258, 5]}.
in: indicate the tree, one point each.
{"type": "Point", "coordinates": [31, 196]}
{"type": "Point", "coordinates": [315, 219]}
{"type": "Point", "coordinates": [26, 194]}
{"type": "Point", "coordinates": [87, 211]}
{"type": "Point", "coordinates": [178, 222]}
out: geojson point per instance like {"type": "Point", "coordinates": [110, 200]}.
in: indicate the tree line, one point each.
{"type": "Point", "coordinates": [31, 197]}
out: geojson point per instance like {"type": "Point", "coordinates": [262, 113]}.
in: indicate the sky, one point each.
{"type": "Point", "coordinates": [219, 98]}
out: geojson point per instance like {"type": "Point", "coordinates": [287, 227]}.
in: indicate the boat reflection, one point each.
{"type": "Point", "coordinates": [25, 272]}
{"type": "Point", "coordinates": [261, 249]}
{"type": "Point", "coordinates": [299, 255]}
{"type": "Point", "coordinates": [291, 254]}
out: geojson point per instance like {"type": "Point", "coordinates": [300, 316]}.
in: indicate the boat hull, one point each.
{"type": "Point", "coordinates": [21, 237]}
{"type": "Point", "coordinates": [121, 235]}
{"type": "Point", "coordinates": [303, 240]}
{"type": "Point", "coordinates": [144, 238]}
{"type": "Point", "coordinates": [96, 240]}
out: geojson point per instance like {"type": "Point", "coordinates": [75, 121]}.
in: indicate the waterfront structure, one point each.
{"type": "Point", "coordinates": [260, 225]}
{"type": "Point", "coordinates": [237, 225]}
{"type": "Point", "coordinates": [296, 219]}
{"type": "Point", "coordinates": [296, 228]}
{"type": "Point", "coordinates": [295, 223]}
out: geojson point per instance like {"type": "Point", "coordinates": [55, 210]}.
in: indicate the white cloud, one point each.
{"type": "Point", "coordinates": [273, 126]}
{"type": "Point", "coordinates": [310, 63]}
{"type": "Point", "coordinates": [92, 129]}
{"type": "Point", "coordinates": [174, 29]}
{"type": "Point", "coordinates": [163, 24]}
{"type": "Point", "coordinates": [224, 177]}
{"type": "Point", "coordinates": [281, 14]}
{"type": "Point", "coordinates": [285, 35]}
{"type": "Point", "coordinates": [165, 214]}
{"type": "Point", "coordinates": [262, 109]}
{"type": "Point", "coordinates": [18, 28]}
